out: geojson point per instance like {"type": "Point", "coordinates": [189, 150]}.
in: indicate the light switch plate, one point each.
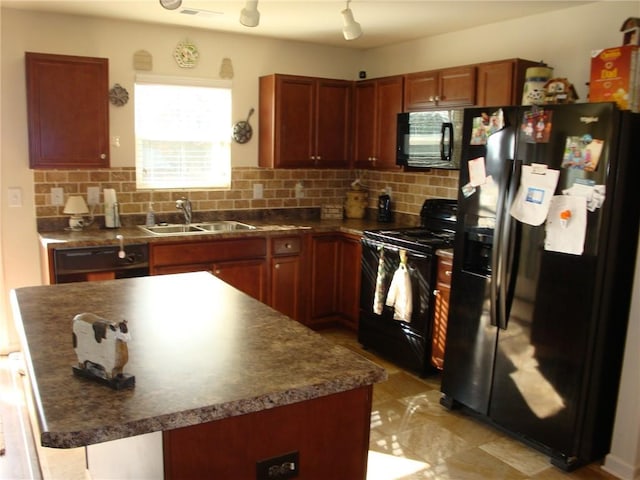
{"type": "Point", "coordinates": [93, 195]}
{"type": "Point", "coordinates": [15, 196]}
{"type": "Point", "coordinates": [57, 196]}
{"type": "Point", "coordinates": [258, 190]}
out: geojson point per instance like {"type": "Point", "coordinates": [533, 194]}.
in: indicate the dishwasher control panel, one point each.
{"type": "Point", "coordinates": [73, 264]}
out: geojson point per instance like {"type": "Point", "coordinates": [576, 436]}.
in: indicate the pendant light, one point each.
{"type": "Point", "coordinates": [250, 16]}
{"type": "Point", "coordinates": [170, 4]}
{"type": "Point", "coordinates": [351, 29]}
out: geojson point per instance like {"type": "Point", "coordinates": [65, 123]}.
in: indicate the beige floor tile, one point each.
{"type": "Point", "coordinates": [519, 456]}
{"type": "Point", "coordinates": [588, 472]}
{"type": "Point", "coordinates": [475, 464]}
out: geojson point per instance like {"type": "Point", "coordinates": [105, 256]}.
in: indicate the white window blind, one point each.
{"type": "Point", "coordinates": [183, 133]}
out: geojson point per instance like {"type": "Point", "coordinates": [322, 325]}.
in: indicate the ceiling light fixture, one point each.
{"type": "Point", "coordinates": [170, 4]}
{"type": "Point", "coordinates": [250, 16]}
{"type": "Point", "coordinates": [351, 29]}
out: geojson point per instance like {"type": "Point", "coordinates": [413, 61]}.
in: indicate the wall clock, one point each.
{"type": "Point", "coordinates": [186, 54]}
{"type": "Point", "coordinates": [118, 95]}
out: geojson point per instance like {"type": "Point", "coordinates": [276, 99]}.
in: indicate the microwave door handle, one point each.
{"type": "Point", "coordinates": [447, 128]}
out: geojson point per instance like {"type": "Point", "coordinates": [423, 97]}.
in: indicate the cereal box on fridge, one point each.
{"type": "Point", "coordinates": [615, 76]}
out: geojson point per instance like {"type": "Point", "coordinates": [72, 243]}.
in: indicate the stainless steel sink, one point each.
{"type": "Point", "coordinates": [197, 228]}
{"type": "Point", "coordinates": [224, 226]}
{"type": "Point", "coordinates": [172, 229]}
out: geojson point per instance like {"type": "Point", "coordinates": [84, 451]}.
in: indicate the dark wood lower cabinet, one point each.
{"type": "Point", "coordinates": [287, 288]}
{"type": "Point", "coordinates": [334, 290]}
{"type": "Point", "coordinates": [349, 289]}
{"type": "Point", "coordinates": [323, 289]}
{"type": "Point", "coordinates": [442, 293]}
{"type": "Point", "coordinates": [330, 434]}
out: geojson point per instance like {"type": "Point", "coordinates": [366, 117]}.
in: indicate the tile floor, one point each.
{"type": "Point", "coordinates": [412, 437]}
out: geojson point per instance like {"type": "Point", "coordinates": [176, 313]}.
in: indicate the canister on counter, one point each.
{"type": "Point", "coordinates": [356, 203]}
{"type": "Point", "coordinates": [535, 78]}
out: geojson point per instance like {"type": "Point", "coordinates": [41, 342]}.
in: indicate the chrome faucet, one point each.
{"type": "Point", "coordinates": [184, 204]}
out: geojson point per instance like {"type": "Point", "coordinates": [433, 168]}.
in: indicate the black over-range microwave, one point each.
{"type": "Point", "coordinates": [430, 139]}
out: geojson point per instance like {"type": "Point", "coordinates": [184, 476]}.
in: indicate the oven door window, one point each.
{"type": "Point", "coordinates": [396, 285]}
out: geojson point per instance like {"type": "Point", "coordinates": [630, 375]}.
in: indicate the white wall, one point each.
{"type": "Point", "coordinates": [563, 39]}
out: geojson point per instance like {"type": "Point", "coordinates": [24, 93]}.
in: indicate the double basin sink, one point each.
{"type": "Point", "coordinates": [197, 228]}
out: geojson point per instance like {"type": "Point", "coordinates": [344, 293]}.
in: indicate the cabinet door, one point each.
{"type": "Point", "coordinates": [187, 268]}
{"type": "Point", "coordinates": [325, 261]}
{"type": "Point", "coordinates": [421, 90]}
{"type": "Point", "coordinates": [452, 87]}
{"type": "Point", "coordinates": [364, 148]}
{"type": "Point", "coordinates": [286, 289]}
{"type": "Point", "coordinates": [248, 276]}
{"type": "Point", "coordinates": [68, 111]}
{"type": "Point", "coordinates": [332, 124]}
{"type": "Point", "coordinates": [349, 281]}
{"type": "Point", "coordinates": [294, 128]}
{"type": "Point", "coordinates": [501, 83]}
{"type": "Point", "coordinates": [457, 87]}
{"type": "Point", "coordinates": [286, 285]}
{"type": "Point", "coordinates": [377, 104]}
{"type": "Point", "coordinates": [495, 84]}
{"type": "Point", "coordinates": [389, 105]}
{"type": "Point", "coordinates": [442, 294]}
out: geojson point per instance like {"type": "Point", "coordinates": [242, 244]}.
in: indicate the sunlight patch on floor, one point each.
{"type": "Point", "coordinates": [389, 467]}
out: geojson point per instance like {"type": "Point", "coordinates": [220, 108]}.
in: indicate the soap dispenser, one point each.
{"type": "Point", "coordinates": [151, 216]}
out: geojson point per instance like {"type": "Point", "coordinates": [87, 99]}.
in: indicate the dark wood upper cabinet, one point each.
{"type": "Point", "coordinates": [68, 111]}
{"type": "Point", "coordinates": [453, 87]}
{"type": "Point", "coordinates": [304, 122]}
{"type": "Point", "coordinates": [376, 107]}
{"type": "Point", "coordinates": [501, 83]}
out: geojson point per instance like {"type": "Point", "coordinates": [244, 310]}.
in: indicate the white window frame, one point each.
{"type": "Point", "coordinates": [180, 133]}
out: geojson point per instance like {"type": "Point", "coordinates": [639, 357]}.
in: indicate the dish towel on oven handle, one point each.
{"type": "Point", "coordinates": [378, 296]}
{"type": "Point", "coordinates": [399, 296]}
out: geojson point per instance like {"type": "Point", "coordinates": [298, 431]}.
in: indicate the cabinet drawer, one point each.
{"type": "Point", "coordinates": [444, 272]}
{"type": "Point", "coordinates": [286, 246]}
{"type": "Point", "coordinates": [208, 251]}
{"type": "Point", "coordinates": [445, 268]}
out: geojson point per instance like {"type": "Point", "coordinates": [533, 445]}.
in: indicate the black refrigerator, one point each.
{"type": "Point", "coordinates": [543, 273]}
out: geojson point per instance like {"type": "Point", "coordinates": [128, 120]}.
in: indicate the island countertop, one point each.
{"type": "Point", "coordinates": [200, 351]}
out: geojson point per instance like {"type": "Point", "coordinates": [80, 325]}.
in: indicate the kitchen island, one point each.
{"type": "Point", "coordinates": [222, 383]}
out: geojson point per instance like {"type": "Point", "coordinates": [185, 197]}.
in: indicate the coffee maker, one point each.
{"type": "Point", "coordinates": [384, 208]}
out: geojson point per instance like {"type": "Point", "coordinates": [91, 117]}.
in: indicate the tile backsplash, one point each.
{"type": "Point", "coordinates": [319, 187]}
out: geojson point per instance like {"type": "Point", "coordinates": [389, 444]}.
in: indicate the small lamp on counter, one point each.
{"type": "Point", "coordinates": [76, 207]}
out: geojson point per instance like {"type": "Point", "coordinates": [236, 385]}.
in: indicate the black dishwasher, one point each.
{"type": "Point", "coordinates": [100, 263]}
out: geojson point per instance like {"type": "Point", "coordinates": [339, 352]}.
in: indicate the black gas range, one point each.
{"type": "Point", "coordinates": [397, 282]}
{"type": "Point", "coordinates": [436, 230]}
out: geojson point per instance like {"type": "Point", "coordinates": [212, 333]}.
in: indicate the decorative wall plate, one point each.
{"type": "Point", "coordinates": [118, 95]}
{"type": "Point", "coordinates": [186, 54]}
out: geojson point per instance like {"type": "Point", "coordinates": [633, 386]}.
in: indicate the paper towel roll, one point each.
{"type": "Point", "coordinates": [110, 196]}
{"type": "Point", "coordinates": [110, 201]}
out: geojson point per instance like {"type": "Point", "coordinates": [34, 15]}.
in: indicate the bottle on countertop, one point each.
{"type": "Point", "coordinates": [151, 216]}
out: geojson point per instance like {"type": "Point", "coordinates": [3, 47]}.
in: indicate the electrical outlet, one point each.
{"type": "Point", "coordinates": [57, 197]}
{"type": "Point", "coordinates": [93, 195]}
{"type": "Point", "coordinates": [278, 468]}
{"type": "Point", "coordinates": [258, 190]}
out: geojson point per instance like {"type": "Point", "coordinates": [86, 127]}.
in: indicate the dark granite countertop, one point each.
{"type": "Point", "coordinates": [200, 351]}
{"type": "Point", "coordinates": [94, 236]}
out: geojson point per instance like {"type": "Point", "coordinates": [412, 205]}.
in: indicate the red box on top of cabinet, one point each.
{"type": "Point", "coordinates": [615, 76]}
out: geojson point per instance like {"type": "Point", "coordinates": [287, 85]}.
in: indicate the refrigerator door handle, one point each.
{"type": "Point", "coordinates": [446, 127]}
{"type": "Point", "coordinates": [498, 286]}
